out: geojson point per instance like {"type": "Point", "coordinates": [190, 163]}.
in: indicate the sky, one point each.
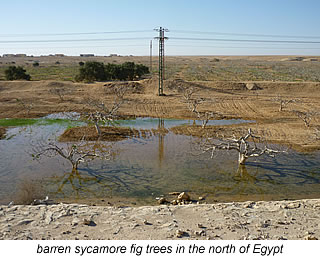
{"type": "Point", "coordinates": [198, 27]}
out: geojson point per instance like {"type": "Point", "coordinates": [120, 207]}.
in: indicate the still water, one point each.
{"type": "Point", "coordinates": [145, 168]}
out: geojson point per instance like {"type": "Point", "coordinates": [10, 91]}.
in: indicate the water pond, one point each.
{"type": "Point", "coordinates": [145, 168]}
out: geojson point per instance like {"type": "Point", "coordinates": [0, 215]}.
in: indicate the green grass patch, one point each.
{"type": "Point", "coordinates": [11, 122]}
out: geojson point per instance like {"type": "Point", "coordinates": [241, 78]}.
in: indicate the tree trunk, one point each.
{"type": "Point", "coordinates": [96, 124]}
{"type": "Point", "coordinates": [242, 159]}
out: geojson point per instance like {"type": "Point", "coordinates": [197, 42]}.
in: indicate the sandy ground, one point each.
{"type": "Point", "coordinates": [246, 220]}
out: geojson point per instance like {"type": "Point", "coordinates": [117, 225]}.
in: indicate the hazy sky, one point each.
{"type": "Point", "coordinates": [212, 27]}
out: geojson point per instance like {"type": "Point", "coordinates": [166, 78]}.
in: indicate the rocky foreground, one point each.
{"type": "Point", "coordinates": [246, 220]}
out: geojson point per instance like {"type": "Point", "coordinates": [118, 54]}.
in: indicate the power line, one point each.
{"type": "Point", "coordinates": [243, 40]}
{"type": "Point", "coordinates": [77, 47]}
{"type": "Point", "coordinates": [71, 33]}
{"type": "Point", "coordinates": [242, 47]}
{"type": "Point", "coordinates": [77, 40]}
{"type": "Point", "coordinates": [248, 34]}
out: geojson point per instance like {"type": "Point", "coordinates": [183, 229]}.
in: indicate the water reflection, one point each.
{"type": "Point", "coordinates": [161, 130]}
{"type": "Point", "coordinates": [157, 164]}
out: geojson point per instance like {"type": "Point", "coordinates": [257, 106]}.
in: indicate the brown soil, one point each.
{"type": "Point", "coordinates": [231, 99]}
{"type": "Point", "coordinates": [108, 133]}
{"type": "Point", "coordinates": [2, 132]}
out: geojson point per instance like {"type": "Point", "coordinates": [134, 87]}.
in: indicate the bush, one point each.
{"type": "Point", "coordinates": [16, 73]}
{"type": "Point", "coordinates": [97, 71]}
{"type": "Point", "coordinates": [92, 71]}
{"type": "Point", "coordinates": [36, 64]}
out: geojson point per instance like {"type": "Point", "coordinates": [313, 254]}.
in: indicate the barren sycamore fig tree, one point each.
{"type": "Point", "coordinates": [306, 117]}
{"type": "Point", "coordinates": [83, 152]}
{"type": "Point", "coordinates": [283, 102]}
{"type": "Point", "coordinates": [193, 104]}
{"type": "Point", "coordinates": [105, 113]}
{"type": "Point", "coordinates": [247, 146]}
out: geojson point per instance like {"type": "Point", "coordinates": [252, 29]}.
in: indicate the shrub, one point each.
{"type": "Point", "coordinates": [36, 64]}
{"type": "Point", "coordinates": [97, 71]}
{"type": "Point", "coordinates": [92, 71]}
{"type": "Point", "coordinates": [16, 73]}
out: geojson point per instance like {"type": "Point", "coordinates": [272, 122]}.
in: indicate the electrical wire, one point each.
{"type": "Point", "coordinates": [72, 33]}
{"type": "Point", "coordinates": [247, 34]}
{"type": "Point", "coordinates": [244, 40]}
{"type": "Point", "coordinates": [242, 47]}
{"type": "Point", "coordinates": [77, 40]}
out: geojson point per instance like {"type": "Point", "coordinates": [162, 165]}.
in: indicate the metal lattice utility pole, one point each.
{"type": "Point", "coordinates": [151, 57]}
{"type": "Point", "coordinates": [161, 39]}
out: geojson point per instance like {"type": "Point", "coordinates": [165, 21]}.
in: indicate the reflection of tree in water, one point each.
{"type": "Point", "coordinates": [296, 169]}
{"type": "Point", "coordinates": [162, 134]}
{"type": "Point", "coordinates": [277, 177]}
{"type": "Point", "coordinates": [242, 182]}
{"type": "Point", "coordinates": [87, 182]}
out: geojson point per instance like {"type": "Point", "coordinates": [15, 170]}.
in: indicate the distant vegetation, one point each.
{"type": "Point", "coordinates": [97, 71]}
{"type": "Point", "coordinates": [16, 73]}
{"type": "Point", "coordinates": [187, 68]}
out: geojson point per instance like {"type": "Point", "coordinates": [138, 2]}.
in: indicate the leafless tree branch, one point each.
{"type": "Point", "coordinates": [82, 152]}
{"type": "Point", "coordinates": [246, 146]}
{"type": "Point", "coordinates": [283, 102]}
{"type": "Point", "coordinates": [193, 104]}
{"type": "Point", "coordinates": [306, 117]}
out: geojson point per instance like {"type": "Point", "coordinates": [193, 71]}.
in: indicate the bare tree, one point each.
{"type": "Point", "coordinates": [306, 117]}
{"type": "Point", "coordinates": [60, 92]}
{"type": "Point", "coordinates": [283, 102]}
{"type": "Point", "coordinates": [26, 105]}
{"type": "Point", "coordinates": [104, 113]}
{"type": "Point", "coordinates": [193, 104]}
{"type": "Point", "coordinates": [82, 152]}
{"type": "Point", "coordinates": [247, 146]}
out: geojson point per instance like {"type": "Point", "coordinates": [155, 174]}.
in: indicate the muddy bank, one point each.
{"type": "Point", "coordinates": [108, 133]}
{"type": "Point", "coordinates": [238, 220]}
{"type": "Point", "coordinates": [2, 132]}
